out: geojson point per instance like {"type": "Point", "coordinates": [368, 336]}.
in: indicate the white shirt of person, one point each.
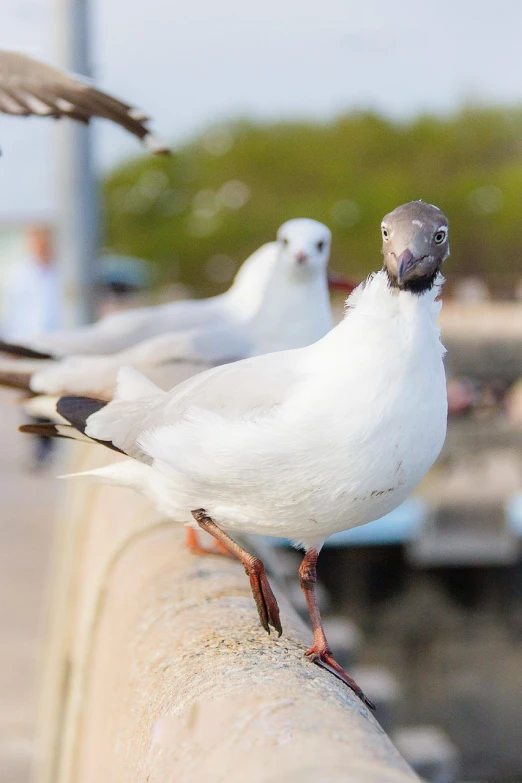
{"type": "Point", "coordinates": [32, 301]}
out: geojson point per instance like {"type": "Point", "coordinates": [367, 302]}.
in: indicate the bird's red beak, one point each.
{"type": "Point", "coordinates": [337, 282]}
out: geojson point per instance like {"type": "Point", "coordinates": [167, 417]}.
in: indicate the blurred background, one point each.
{"type": "Point", "coordinates": [339, 112]}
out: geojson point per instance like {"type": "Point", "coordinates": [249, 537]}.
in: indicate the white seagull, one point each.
{"type": "Point", "coordinates": [303, 443]}
{"type": "Point", "coordinates": [29, 87]}
{"type": "Point", "coordinates": [120, 331]}
{"type": "Point", "coordinates": [279, 300]}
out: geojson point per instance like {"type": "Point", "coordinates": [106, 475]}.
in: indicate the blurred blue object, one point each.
{"type": "Point", "coordinates": [398, 527]}
{"type": "Point", "coordinates": [127, 272]}
{"type": "Point", "coordinates": [513, 510]}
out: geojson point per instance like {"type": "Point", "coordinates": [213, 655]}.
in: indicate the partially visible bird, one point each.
{"type": "Point", "coordinates": [279, 300]}
{"type": "Point", "coordinates": [298, 444]}
{"type": "Point", "coordinates": [30, 87]}
{"type": "Point", "coordinates": [121, 330]}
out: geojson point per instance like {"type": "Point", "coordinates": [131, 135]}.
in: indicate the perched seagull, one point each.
{"type": "Point", "coordinates": [30, 87]}
{"type": "Point", "coordinates": [299, 444]}
{"type": "Point", "coordinates": [121, 330]}
{"type": "Point", "coordinates": [279, 300]}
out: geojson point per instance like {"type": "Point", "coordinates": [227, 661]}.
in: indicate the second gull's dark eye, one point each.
{"type": "Point", "coordinates": [439, 237]}
{"type": "Point", "coordinates": [320, 245]}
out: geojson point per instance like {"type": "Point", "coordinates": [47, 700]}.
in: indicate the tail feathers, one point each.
{"type": "Point", "coordinates": [22, 350]}
{"type": "Point", "coordinates": [128, 473]}
{"type": "Point", "coordinates": [64, 431]}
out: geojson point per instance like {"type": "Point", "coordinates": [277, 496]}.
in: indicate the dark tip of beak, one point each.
{"type": "Point", "coordinates": [338, 283]}
{"type": "Point", "coordinates": [405, 263]}
{"type": "Point", "coordinates": [301, 257]}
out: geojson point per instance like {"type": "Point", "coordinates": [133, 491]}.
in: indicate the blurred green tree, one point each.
{"type": "Point", "coordinates": [198, 214]}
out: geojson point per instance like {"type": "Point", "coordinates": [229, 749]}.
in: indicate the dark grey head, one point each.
{"type": "Point", "coordinates": [414, 245]}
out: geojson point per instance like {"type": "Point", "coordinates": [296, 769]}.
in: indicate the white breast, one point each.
{"type": "Point", "coordinates": [346, 447]}
{"type": "Point", "coordinates": [388, 424]}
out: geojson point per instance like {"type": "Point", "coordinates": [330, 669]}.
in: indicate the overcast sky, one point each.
{"type": "Point", "coordinates": [190, 63]}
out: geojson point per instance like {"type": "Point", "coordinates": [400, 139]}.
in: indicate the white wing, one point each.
{"type": "Point", "coordinates": [249, 388]}
{"type": "Point", "coordinates": [119, 331]}
{"type": "Point", "coordinates": [167, 360]}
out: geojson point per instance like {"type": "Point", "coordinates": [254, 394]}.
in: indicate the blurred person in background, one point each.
{"type": "Point", "coordinates": [33, 305]}
{"type": "Point", "coordinates": [32, 290]}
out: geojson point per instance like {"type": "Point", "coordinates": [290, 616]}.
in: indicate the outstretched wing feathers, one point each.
{"type": "Point", "coordinates": [29, 87]}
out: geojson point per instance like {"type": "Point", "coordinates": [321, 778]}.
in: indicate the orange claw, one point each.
{"type": "Point", "coordinates": [193, 544]}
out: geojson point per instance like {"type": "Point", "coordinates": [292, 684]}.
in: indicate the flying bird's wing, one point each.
{"type": "Point", "coordinates": [30, 87]}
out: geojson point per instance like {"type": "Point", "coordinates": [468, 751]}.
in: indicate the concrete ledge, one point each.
{"type": "Point", "coordinates": [165, 675]}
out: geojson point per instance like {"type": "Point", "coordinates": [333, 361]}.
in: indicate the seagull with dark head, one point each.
{"type": "Point", "coordinates": [298, 444]}
{"type": "Point", "coordinates": [414, 245]}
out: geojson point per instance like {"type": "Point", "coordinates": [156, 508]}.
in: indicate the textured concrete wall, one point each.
{"type": "Point", "coordinates": [158, 670]}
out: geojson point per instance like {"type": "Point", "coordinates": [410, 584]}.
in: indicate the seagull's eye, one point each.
{"type": "Point", "coordinates": [285, 241]}
{"type": "Point", "coordinates": [439, 237]}
{"type": "Point", "coordinates": [385, 233]}
{"type": "Point", "coordinates": [320, 245]}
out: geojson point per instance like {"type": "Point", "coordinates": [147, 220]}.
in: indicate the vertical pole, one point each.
{"type": "Point", "coordinates": [78, 198]}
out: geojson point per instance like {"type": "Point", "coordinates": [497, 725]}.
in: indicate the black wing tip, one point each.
{"type": "Point", "coordinates": [78, 409]}
{"type": "Point", "coordinates": [22, 351]}
{"type": "Point", "coordinates": [16, 380]}
{"type": "Point", "coordinates": [49, 430]}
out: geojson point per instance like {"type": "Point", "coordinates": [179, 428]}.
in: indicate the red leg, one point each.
{"type": "Point", "coordinates": [265, 599]}
{"type": "Point", "coordinates": [320, 652]}
{"type": "Point", "coordinates": [192, 542]}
